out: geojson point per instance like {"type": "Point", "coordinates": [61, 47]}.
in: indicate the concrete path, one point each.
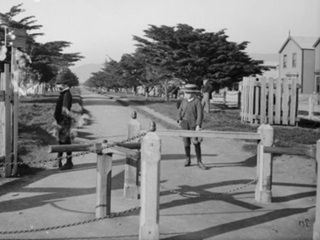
{"type": "Point", "coordinates": [63, 198]}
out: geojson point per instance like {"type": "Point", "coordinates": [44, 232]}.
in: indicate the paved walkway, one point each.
{"type": "Point", "coordinates": [59, 198]}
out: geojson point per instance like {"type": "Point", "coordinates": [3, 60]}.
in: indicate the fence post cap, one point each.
{"type": "Point", "coordinates": [265, 126]}
{"type": "Point", "coordinates": [134, 115]}
{"type": "Point", "coordinates": [151, 147]}
{"type": "Point", "coordinates": [153, 126]}
{"type": "Point", "coordinates": [98, 147]}
{"type": "Point", "coordinates": [267, 134]}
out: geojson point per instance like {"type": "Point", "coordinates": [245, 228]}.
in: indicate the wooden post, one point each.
{"type": "Point", "coordinates": [8, 126]}
{"type": "Point", "coordinates": [257, 100]}
{"type": "Point", "coordinates": [263, 101]}
{"type": "Point", "coordinates": [293, 91]}
{"type": "Point", "coordinates": [270, 101]}
{"type": "Point", "coordinates": [278, 101]}
{"type": "Point", "coordinates": [104, 176]}
{"type": "Point", "coordinates": [316, 225]}
{"type": "Point", "coordinates": [15, 132]}
{"type": "Point", "coordinates": [131, 168]}
{"type": "Point", "coordinates": [310, 107]}
{"type": "Point", "coordinates": [2, 122]}
{"type": "Point", "coordinates": [239, 100]}
{"type": "Point", "coordinates": [150, 176]}
{"type": "Point", "coordinates": [285, 102]}
{"type": "Point", "coordinates": [15, 108]}
{"type": "Point", "coordinates": [263, 192]}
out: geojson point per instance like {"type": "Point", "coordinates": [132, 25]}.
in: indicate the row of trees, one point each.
{"type": "Point", "coordinates": [181, 52]}
{"type": "Point", "coordinates": [44, 60]}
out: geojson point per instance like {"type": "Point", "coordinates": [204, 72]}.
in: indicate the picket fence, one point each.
{"type": "Point", "coordinates": [261, 103]}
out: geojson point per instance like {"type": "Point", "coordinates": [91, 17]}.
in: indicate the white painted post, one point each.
{"type": "Point", "coordinates": [8, 122]}
{"type": "Point", "coordinates": [150, 176]}
{"type": "Point", "coordinates": [310, 107]}
{"type": "Point", "coordinates": [316, 225]}
{"type": "Point", "coordinates": [131, 168]}
{"type": "Point", "coordinates": [104, 176]}
{"type": "Point", "coordinates": [263, 192]}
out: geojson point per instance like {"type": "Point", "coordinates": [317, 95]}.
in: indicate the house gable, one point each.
{"type": "Point", "coordinates": [316, 43]}
{"type": "Point", "coordinates": [301, 42]}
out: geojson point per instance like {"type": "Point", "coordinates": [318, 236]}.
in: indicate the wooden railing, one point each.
{"type": "Point", "coordinates": [150, 172]}
{"type": "Point", "coordinates": [149, 158]}
{"type": "Point", "coordinates": [104, 152]}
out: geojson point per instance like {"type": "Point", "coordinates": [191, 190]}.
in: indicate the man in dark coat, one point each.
{"type": "Point", "coordinates": [190, 116]}
{"type": "Point", "coordinates": [207, 90]}
{"type": "Point", "coordinates": [62, 115]}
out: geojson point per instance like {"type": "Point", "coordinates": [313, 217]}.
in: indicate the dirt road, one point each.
{"type": "Point", "coordinates": [59, 199]}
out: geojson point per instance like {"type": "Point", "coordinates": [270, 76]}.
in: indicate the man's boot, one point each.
{"type": "Point", "coordinates": [197, 148]}
{"type": "Point", "coordinates": [68, 164]}
{"type": "Point", "coordinates": [188, 157]}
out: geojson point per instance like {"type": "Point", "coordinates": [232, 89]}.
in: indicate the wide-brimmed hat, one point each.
{"type": "Point", "coordinates": [190, 88]}
{"type": "Point", "coordinates": [63, 78]}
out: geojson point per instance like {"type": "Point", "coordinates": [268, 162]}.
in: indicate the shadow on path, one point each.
{"type": "Point", "coordinates": [50, 195]}
{"type": "Point", "coordinates": [240, 224]}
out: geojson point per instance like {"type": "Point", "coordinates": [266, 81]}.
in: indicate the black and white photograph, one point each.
{"type": "Point", "coordinates": [149, 119]}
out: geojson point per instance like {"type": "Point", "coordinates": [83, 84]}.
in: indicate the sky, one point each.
{"type": "Point", "coordinates": [103, 29]}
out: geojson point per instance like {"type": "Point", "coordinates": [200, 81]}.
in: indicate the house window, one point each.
{"type": "Point", "coordinates": [294, 60]}
{"type": "Point", "coordinates": [318, 84]}
{"type": "Point", "coordinates": [285, 61]}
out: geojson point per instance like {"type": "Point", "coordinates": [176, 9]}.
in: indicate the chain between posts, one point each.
{"type": "Point", "coordinates": [204, 195]}
{"type": "Point", "coordinates": [125, 212]}
{"type": "Point", "coordinates": [112, 215]}
{"type": "Point", "coordinates": [118, 214]}
{"type": "Point", "coordinates": [74, 155]}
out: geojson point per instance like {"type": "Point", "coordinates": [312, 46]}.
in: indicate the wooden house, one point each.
{"type": "Point", "coordinates": [317, 65]}
{"type": "Point", "coordinates": [297, 59]}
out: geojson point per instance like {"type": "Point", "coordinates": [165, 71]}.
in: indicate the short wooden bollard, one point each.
{"type": "Point", "coordinates": [263, 192]}
{"type": "Point", "coordinates": [316, 225]}
{"type": "Point", "coordinates": [104, 176]}
{"type": "Point", "coordinates": [150, 176]}
{"type": "Point", "coordinates": [131, 169]}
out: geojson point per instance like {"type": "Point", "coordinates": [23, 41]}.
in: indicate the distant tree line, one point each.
{"type": "Point", "coordinates": [179, 52]}
{"type": "Point", "coordinates": [45, 60]}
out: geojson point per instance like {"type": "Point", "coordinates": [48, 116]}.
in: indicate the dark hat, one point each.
{"type": "Point", "coordinates": [62, 78]}
{"type": "Point", "coordinates": [64, 81]}
{"type": "Point", "coordinates": [190, 88]}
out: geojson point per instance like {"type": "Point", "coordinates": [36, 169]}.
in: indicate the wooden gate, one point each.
{"type": "Point", "coordinates": [261, 103]}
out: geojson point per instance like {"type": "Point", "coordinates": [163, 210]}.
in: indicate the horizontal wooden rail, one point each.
{"type": "Point", "coordinates": [211, 134]}
{"type": "Point", "coordinates": [258, 117]}
{"type": "Point", "coordinates": [132, 153]}
{"type": "Point", "coordinates": [301, 151]}
{"type": "Point", "coordinates": [258, 84]}
{"type": "Point", "coordinates": [71, 148]}
{"type": "Point", "coordinates": [133, 145]}
{"type": "Point", "coordinates": [91, 147]}
{"type": "Point", "coordinates": [2, 158]}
